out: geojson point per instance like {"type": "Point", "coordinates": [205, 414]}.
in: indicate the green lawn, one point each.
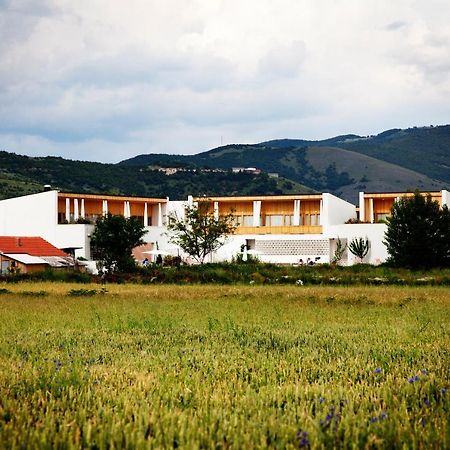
{"type": "Point", "coordinates": [224, 367]}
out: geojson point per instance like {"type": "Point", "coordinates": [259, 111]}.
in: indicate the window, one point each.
{"type": "Point", "coordinates": [247, 221]}
{"type": "Point", "coordinates": [381, 217]}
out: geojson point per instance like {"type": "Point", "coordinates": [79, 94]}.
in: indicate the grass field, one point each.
{"type": "Point", "coordinates": [224, 367]}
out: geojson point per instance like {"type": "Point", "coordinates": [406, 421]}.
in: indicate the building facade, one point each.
{"type": "Point", "coordinates": [285, 229]}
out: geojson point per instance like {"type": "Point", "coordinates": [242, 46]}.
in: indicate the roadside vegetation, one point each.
{"type": "Point", "coordinates": [251, 272]}
{"type": "Point", "coordinates": [224, 367]}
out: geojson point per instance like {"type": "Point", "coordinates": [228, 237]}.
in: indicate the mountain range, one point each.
{"type": "Point", "coordinates": [395, 160]}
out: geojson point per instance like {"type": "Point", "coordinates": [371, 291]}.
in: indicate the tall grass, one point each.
{"type": "Point", "coordinates": [224, 367]}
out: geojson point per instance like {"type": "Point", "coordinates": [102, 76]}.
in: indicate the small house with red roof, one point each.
{"type": "Point", "coordinates": [29, 254]}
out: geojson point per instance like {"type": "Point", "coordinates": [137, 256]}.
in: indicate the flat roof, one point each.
{"type": "Point", "coordinates": [396, 193]}
{"type": "Point", "coordinates": [260, 197]}
{"type": "Point", "coordinates": [111, 197]}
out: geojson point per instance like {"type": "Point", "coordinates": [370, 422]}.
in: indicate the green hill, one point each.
{"type": "Point", "coordinates": [368, 174]}
{"type": "Point", "coordinates": [425, 149]}
{"type": "Point", "coordinates": [20, 175]}
{"type": "Point", "coordinates": [395, 160]}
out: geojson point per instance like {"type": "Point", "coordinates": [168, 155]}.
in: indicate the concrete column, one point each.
{"type": "Point", "coordinates": [125, 209]}
{"type": "Point", "coordinates": [296, 220]}
{"type": "Point", "coordinates": [216, 210]}
{"type": "Point", "coordinates": [160, 221]}
{"type": "Point", "coordinates": [445, 199]}
{"type": "Point", "coordinates": [105, 207]}
{"type": "Point", "coordinates": [320, 213]}
{"type": "Point", "coordinates": [68, 209]}
{"type": "Point", "coordinates": [145, 215]}
{"type": "Point", "coordinates": [128, 209]}
{"type": "Point", "coordinates": [362, 212]}
{"type": "Point", "coordinates": [83, 215]}
{"type": "Point", "coordinates": [256, 213]}
{"type": "Point", "coordinates": [75, 209]}
{"type": "Point", "coordinates": [372, 216]}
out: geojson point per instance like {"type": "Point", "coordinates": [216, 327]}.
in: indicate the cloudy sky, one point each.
{"type": "Point", "coordinates": [107, 79]}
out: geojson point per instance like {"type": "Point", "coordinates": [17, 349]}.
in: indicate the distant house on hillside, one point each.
{"type": "Point", "coordinates": [28, 254]}
{"type": "Point", "coordinates": [251, 170]}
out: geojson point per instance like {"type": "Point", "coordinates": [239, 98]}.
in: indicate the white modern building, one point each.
{"type": "Point", "coordinates": [282, 229]}
{"type": "Point", "coordinates": [67, 220]}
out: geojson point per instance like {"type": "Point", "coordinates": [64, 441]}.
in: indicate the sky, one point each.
{"type": "Point", "coordinates": [105, 80]}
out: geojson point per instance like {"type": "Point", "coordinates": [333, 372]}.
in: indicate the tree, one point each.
{"type": "Point", "coordinates": [113, 241]}
{"type": "Point", "coordinates": [359, 247]}
{"type": "Point", "coordinates": [418, 233]}
{"type": "Point", "coordinates": [200, 233]}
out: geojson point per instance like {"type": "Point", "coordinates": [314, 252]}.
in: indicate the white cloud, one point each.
{"type": "Point", "coordinates": [108, 79]}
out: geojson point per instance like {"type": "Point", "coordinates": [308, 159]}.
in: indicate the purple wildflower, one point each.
{"type": "Point", "coordinates": [321, 400]}
{"type": "Point", "coordinates": [443, 391]}
{"type": "Point", "coordinates": [303, 440]}
{"type": "Point", "coordinates": [423, 422]}
{"type": "Point", "coordinates": [424, 372]}
{"type": "Point", "coordinates": [373, 419]}
{"type": "Point", "coordinates": [383, 415]}
{"type": "Point", "coordinates": [427, 402]}
{"type": "Point", "coordinates": [413, 379]}
{"type": "Point", "coordinates": [377, 370]}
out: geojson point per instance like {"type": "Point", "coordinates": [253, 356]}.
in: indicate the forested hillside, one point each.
{"type": "Point", "coordinates": [21, 175]}
{"type": "Point", "coordinates": [395, 160]}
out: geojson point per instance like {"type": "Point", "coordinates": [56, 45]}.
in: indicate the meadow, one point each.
{"type": "Point", "coordinates": [210, 366]}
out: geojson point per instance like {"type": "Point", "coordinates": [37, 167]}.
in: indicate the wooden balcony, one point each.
{"type": "Point", "coordinates": [300, 229]}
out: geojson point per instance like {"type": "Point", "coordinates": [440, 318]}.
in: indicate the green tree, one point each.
{"type": "Point", "coordinates": [418, 233]}
{"type": "Point", "coordinates": [359, 247]}
{"type": "Point", "coordinates": [113, 241]}
{"type": "Point", "coordinates": [200, 233]}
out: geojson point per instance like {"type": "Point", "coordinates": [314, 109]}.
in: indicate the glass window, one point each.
{"type": "Point", "coordinates": [248, 221]}
{"type": "Point", "coordinates": [275, 221]}
{"type": "Point", "coordinates": [381, 217]}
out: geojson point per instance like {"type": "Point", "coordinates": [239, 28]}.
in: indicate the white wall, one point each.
{"type": "Point", "coordinates": [233, 245]}
{"type": "Point", "coordinates": [374, 232]}
{"type": "Point", "coordinates": [445, 198]}
{"type": "Point", "coordinates": [30, 215]}
{"type": "Point", "coordinates": [74, 235]}
{"type": "Point", "coordinates": [336, 211]}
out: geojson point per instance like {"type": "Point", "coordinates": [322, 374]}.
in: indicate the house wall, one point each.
{"type": "Point", "coordinates": [445, 198]}
{"type": "Point", "coordinates": [374, 232]}
{"type": "Point", "coordinates": [6, 263]}
{"type": "Point", "coordinates": [336, 211]}
{"type": "Point", "coordinates": [30, 215]}
{"type": "Point", "coordinates": [74, 235]}
{"type": "Point", "coordinates": [277, 248]}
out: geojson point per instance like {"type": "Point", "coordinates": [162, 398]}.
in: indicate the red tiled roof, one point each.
{"type": "Point", "coordinates": [34, 246]}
